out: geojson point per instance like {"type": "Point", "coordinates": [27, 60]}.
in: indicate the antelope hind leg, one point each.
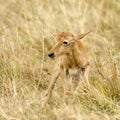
{"type": "Point", "coordinates": [86, 75]}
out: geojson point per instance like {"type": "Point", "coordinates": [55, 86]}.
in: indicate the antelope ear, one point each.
{"type": "Point", "coordinates": [56, 35]}
{"type": "Point", "coordinates": [77, 37]}
{"type": "Point", "coordinates": [60, 35]}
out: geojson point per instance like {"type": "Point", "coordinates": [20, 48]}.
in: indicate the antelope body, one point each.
{"type": "Point", "coordinates": [72, 60]}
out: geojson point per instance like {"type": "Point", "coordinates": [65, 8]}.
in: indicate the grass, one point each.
{"type": "Point", "coordinates": [25, 69]}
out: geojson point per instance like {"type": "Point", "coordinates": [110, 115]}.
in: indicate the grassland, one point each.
{"type": "Point", "coordinates": [25, 69]}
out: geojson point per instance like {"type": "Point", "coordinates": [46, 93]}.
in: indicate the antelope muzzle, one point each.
{"type": "Point", "coordinates": [51, 55]}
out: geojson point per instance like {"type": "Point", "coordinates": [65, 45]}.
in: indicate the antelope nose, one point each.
{"type": "Point", "coordinates": [51, 54]}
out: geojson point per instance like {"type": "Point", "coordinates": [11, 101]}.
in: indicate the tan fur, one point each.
{"type": "Point", "coordinates": [72, 60]}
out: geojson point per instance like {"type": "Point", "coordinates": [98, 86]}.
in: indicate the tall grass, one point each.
{"type": "Point", "coordinates": [26, 28]}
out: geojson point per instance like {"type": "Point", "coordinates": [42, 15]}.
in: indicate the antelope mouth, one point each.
{"type": "Point", "coordinates": [51, 55]}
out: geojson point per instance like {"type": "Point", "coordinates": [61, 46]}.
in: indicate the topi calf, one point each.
{"type": "Point", "coordinates": [72, 60]}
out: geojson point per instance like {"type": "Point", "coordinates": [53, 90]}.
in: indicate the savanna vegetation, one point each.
{"type": "Point", "coordinates": [26, 28]}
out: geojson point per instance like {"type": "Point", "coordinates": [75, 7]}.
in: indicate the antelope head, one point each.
{"type": "Point", "coordinates": [64, 44]}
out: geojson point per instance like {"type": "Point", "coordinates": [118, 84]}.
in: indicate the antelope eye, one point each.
{"type": "Point", "coordinates": [65, 42]}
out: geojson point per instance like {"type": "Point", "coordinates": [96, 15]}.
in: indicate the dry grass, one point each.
{"type": "Point", "coordinates": [25, 70]}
